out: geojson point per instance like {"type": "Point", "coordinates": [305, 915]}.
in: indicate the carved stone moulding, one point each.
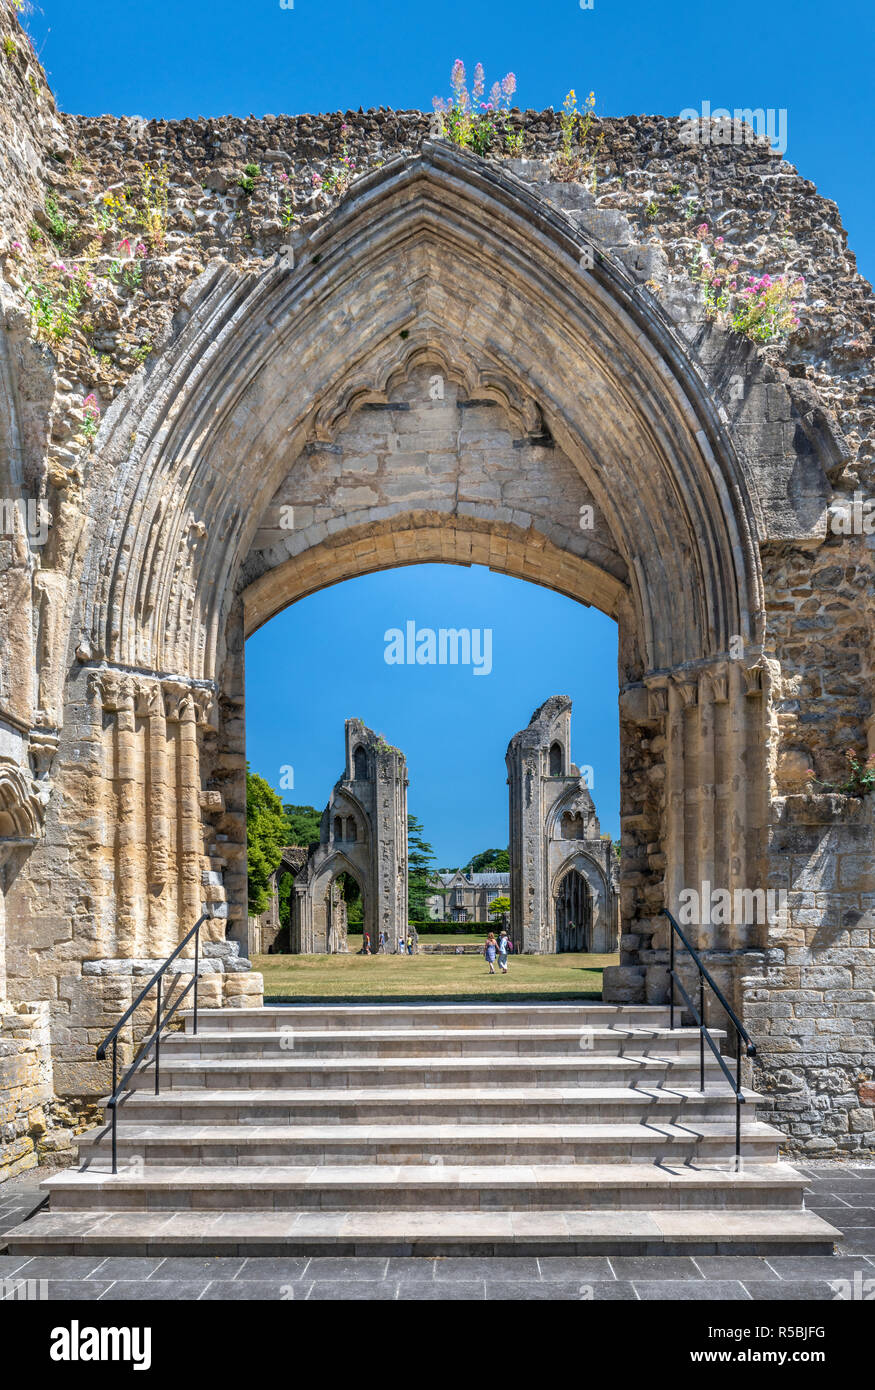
{"type": "Point", "coordinates": [118, 689]}
{"type": "Point", "coordinates": [22, 805]}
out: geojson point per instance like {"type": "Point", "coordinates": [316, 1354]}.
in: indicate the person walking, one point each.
{"type": "Point", "coordinates": [410, 945]}
{"type": "Point", "coordinates": [490, 951]}
{"type": "Point", "coordinates": [401, 950]}
{"type": "Point", "coordinates": [503, 947]}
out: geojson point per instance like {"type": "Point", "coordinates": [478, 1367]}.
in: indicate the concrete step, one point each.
{"type": "Point", "coordinates": [455, 1187]}
{"type": "Point", "coordinates": [325, 1017]}
{"type": "Point", "coordinates": [646, 1231]}
{"type": "Point", "coordinates": [288, 1070]}
{"type": "Point", "coordinates": [438, 1144]}
{"type": "Point", "coordinates": [431, 1104]}
{"type": "Point", "coordinates": [412, 1041]}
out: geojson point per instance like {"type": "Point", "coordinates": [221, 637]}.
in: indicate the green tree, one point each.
{"type": "Point", "coordinates": [266, 832]}
{"type": "Point", "coordinates": [420, 871]}
{"type": "Point", "coordinates": [303, 825]}
{"type": "Point", "coordinates": [498, 907]}
{"type": "Point", "coordinates": [489, 861]}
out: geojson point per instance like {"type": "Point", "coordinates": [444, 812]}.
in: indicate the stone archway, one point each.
{"type": "Point", "coordinates": [220, 492]}
{"type": "Point", "coordinates": [590, 390]}
{"type": "Point", "coordinates": [572, 907]}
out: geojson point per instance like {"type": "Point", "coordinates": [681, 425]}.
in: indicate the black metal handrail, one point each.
{"type": "Point", "coordinates": [741, 1033]}
{"type": "Point", "coordinates": [154, 1038]}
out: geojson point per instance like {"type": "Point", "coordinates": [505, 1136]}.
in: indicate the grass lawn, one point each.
{"type": "Point", "coordinates": [430, 977]}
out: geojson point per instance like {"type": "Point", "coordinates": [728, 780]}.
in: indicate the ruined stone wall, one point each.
{"type": "Point", "coordinates": [810, 699]}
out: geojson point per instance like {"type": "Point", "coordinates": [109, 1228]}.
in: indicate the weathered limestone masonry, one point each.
{"type": "Point", "coordinates": [555, 842]}
{"type": "Point", "coordinates": [458, 358]}
{"type": "Point", "coordinates": [363, 833]}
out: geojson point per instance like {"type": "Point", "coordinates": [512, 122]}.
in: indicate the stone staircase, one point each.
{"type": "Point", "coordinates": [429, 1129]}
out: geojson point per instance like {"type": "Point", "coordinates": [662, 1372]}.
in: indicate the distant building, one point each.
{"type": "Point", "coordinates": [565, 893]}
{"type": "Point", "coordinates": [363, 833]}
{"type": "Point", "coordinates": [466, 897]}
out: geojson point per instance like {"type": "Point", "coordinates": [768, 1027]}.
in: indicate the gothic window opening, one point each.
{"type": "Point", "coordinates": [555, 760]}
{"type": "Point", "coordinates": [574, 913]}
{"type": "Point", "coordinates": [360, 764]}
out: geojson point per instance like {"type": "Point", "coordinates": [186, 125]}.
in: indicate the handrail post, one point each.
{"type": "Point", "coordinates": [701, 1031]}
{"type": "Point", "coordinates": [158, 1040]}
{"type": "Point", "coordinates": [671, 974]}
{"type": "Point", "coordinates": [114, 1105]}
{"type": "Point", "coordinates": [197, 971]}
{"type": "Point", "coordinates": [737, 1100]}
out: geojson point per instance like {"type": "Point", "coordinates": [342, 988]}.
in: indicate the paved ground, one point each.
{"type": "Point", "coordinates": [845, 1196]}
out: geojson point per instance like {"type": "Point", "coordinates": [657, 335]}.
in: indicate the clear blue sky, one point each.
{"type": "Point", "coordinates": [175, 58]}
{"type": "Point", "coordinates": [322, 661]}
{"type": "Point", "coordinates": [172, 58]}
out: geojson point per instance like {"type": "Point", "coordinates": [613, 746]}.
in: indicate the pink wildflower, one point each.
{"type": "Point", "coordinates": [494, 95]}
{"type": "Point", "coordinates": [125, 246]}
{"type": "Point", "coordinates": [718, 241]}
{"type": "Point", "coordinates": [479, 82]}
{"type": "Point", "coordinates": [141, 248]}
{"type": "Point", "coordinates": [508, 84]}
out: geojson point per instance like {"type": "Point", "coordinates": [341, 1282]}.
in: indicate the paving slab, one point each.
{"type": "Point", "coordinates": [858, 1240]}
{"type": "Point", "coordinates": [155, 1290]}
{"type": "Point", "coordinates": [351, 1290]}
{"type": "Point", "coordinates": [509, 1269]}
{"type": "Point", "coordinates": [196, 1267]}
{"type": "Point", "coordinates": [262, 1267]}
{"type": "Point", "coordinates": [793, 1290]}
{"type": "Point", "coordinates": [255, 1290]}
{"type": "Point", "coordinates": [705, 1291]}
{"type": "Point", "coordinates": [655, 1267]}
{"type": "Point", "coordinates": [346, 1268]}
{"type": "Point", "coordinates": [68, 1290]}
{"type": "Point", "coordinates": [735, 1267]}
{"type": "Point", "coordinates": [817, 1266]}
{"type": "Point", "coordinates": [125, 1267]}
{"type": "Point", "coordinates": [424, 1290]}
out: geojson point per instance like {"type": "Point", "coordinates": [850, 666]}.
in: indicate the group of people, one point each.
{"type": "Point", "coordinates": [497, 950]}
{"type": "Point", "coordinates": [494, 950]}
{"type": "Point", "coordinates": [405, 944]}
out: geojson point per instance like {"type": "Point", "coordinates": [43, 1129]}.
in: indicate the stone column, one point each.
{"type": "Point", "coordinates": [737, 778]}
{"type": "Point", "coordinates": [675, 797]}
{"type": "Point", "coordinates": [118, 695]}
{"type": "Point", "coordinates": [158, 814]}
{"type": "Point", "coordinates": [181, 709]}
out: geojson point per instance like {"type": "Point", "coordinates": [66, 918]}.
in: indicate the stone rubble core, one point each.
{"type": "Point", "coordinates": [462, 361]}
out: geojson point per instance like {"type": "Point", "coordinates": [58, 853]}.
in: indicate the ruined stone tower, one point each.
{"type": "Point", "coordinates": [562, 889]}
{"type": "Point", "coordinates": [363, 833]}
